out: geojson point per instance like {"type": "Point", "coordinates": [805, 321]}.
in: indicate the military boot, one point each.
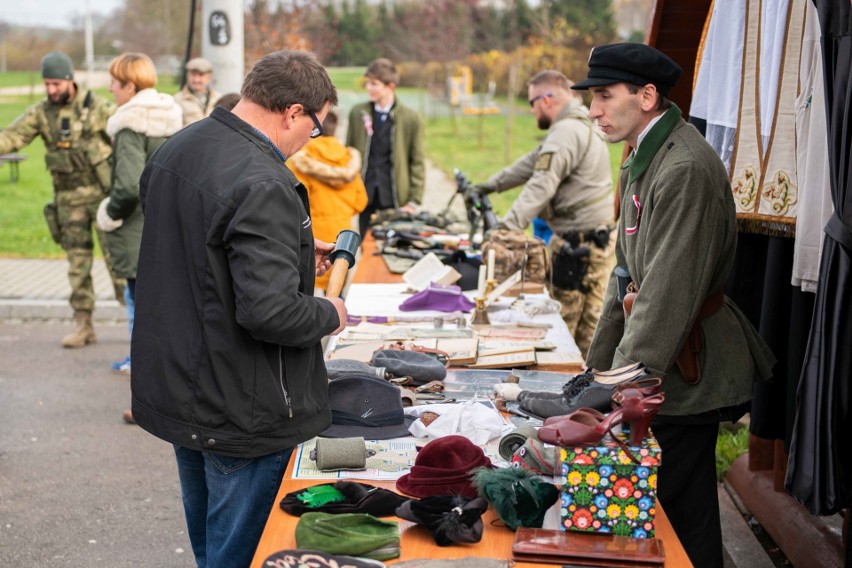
{"type": "Point", "coordinates": [84, 332]}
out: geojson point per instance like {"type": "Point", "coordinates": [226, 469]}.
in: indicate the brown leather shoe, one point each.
{"type": "Point", "coordinates": [128, 416]}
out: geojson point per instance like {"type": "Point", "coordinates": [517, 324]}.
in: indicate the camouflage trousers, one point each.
{"type": "Point", "coordinates": [76, 210]}
{"type": "Point", "coordinates": [582, 310]}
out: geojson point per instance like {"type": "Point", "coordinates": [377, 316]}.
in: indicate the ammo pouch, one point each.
{"type": "Point", "coordinates": [569, 264]}
{"type": "Point", "coordinates": [52, 218]}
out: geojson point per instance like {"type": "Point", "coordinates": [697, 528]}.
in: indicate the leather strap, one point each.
{"type": "Point", "coordinates": [688, 360]}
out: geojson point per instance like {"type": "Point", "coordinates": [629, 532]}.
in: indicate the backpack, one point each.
{"type": "Point", "coordinates": [510, 247]}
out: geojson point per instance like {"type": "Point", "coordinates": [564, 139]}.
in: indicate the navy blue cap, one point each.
{"type": "Point", "coordinates": [634, 63]}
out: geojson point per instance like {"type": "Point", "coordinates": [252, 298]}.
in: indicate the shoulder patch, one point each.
{"type": "Point", "coordinates": [543, 161]}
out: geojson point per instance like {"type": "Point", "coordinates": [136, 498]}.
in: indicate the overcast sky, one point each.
{"type": "Point", "coordinates": [51, 13]}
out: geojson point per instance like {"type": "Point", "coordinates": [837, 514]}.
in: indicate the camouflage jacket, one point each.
{"type": "Point", "coordinates": [77, 147]}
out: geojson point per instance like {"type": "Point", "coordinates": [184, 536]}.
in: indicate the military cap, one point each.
{"type": "Point", "coordinates": [199, 64]}
{"type": "Point", "coordinates": [56, 65]}
{"type": "Point", "coordinates": [634, 63]}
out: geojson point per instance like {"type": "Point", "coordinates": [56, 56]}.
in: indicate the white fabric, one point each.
{"type": "Point", "coordinates": [717, 89]}
{"type": "Point", "coordinates": [507, 391]}
{"type": "Point", "coordinates": [106, 223]}
{"type": "Point", "coordinates": [148, 112]}
{"type": "Point", "coordinates": [815, 205]}
{"type": "Point", "coordinates": [773, 29]}
{"type": "Point", "coordinates": [476, 422]}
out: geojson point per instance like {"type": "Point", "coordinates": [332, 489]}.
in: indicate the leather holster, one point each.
{"type": "Point", "coordinates": [688, 361]}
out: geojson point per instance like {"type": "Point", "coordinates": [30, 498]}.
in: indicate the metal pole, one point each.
{"type": "Point", "coordinates": [222, 42]}
{"type": "Point", "coordinates": [90, 45]}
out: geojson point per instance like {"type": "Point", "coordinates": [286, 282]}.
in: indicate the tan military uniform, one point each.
{"type": "Point", "coordinates": [193, 108]}
{"type": "Point", "coordinates": [568, 182]}
{"type": "Point", "coordinates": [77, 154]}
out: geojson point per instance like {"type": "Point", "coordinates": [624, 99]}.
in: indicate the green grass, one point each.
{"type": "Point", "coordinates": [347, 78]}
{"type": "Point", "coordinates": [20, 78]}
{"type": "Point", "coordinates": [729, 446]}
{"type": "Point", "coordinates": [477, 146]}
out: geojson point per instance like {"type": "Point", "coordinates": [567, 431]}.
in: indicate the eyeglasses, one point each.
{"type": "Point", "coordinates": [317, 131]}
{"type": "Point", "coordinates": [534, 99]}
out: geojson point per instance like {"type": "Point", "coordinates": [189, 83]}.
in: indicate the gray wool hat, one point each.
{"type": "Point", "coordinates": [366, 407]}
{"type": "Point", "coordinates": [56, 65]}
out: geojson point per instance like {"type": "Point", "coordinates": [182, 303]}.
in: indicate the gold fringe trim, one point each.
{"type": "Point", "coordinates": [762, 225]}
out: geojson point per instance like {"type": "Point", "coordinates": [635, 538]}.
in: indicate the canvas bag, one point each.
{"type": "Point", "coordinates": [509, 249]}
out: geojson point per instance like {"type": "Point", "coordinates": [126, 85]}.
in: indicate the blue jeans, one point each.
{"type": "Point", "coordinates": [227, 502]}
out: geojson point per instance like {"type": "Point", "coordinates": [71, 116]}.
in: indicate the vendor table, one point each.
{"type": "Point", "coordinates": [417, 542]}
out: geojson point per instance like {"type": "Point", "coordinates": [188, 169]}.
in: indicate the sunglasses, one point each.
{"type": "Point", "coordinates": [317, 131]}
{"type": "Point", "coordinates": [534, 99]}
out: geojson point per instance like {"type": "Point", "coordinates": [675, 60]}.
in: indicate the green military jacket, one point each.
{"type": "Point", "coordinates": [677, 237]}
{"type": "Point", "coordinates": [567, 179]}
{"type": "Point", "coordinates": [139, 127]}
{"type": "Point", "coordinates": [76, 156]}
{"type": "Point", "coordinates": [408, 158]}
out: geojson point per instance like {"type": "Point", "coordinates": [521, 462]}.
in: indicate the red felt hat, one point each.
{"type": "Point", "coordinates": [442, 468]}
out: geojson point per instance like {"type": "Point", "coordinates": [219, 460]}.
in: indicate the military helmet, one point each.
{"type": "Point", "coordinates": [56, 65]}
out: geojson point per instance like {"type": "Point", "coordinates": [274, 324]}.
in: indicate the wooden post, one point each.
{"type": "Point", "coordinates": [510, 112]}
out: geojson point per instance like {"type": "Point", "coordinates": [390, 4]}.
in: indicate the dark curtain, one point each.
{"type": "Point", "coordinates": [819, 469]}
{"type": "Point", "coordinates": [760, 285]}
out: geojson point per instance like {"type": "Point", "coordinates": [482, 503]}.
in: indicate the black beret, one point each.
{"type": "Point", "coordinates": [634, 63]}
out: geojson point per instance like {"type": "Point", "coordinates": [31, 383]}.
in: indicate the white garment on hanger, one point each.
{"type": "Point", "coordinates": [772, 32]}
{"type": "Point", "coordinates": [815, 205]}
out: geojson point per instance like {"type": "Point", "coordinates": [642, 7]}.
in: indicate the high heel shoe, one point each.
{"type": "Point", "coordinates": [584, 428]}
{"type": "Point", "coordinates": [643, 403]}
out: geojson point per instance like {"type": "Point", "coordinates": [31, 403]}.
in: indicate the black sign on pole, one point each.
{"type": "Point", "coordinates": [220, 28]}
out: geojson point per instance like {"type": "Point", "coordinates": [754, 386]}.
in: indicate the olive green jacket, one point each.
{"type": "Point", "coordinates": [408, 158]}
{"type": "Point", "coordinates": [677, 237]}
{"type": "Point", "coordinates": [76, 156]}
{"type": "Point", "coordinates": [139, 126]}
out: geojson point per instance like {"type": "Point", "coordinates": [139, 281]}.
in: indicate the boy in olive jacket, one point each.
{"type": "Point", "coordinates": [389, 136]}
{"type": "Point", "coordinates": [676, 238]}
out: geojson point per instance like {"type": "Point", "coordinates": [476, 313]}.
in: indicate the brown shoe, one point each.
{"type": "Point", "coordinates": [128, 416]}
{"type": "Point", "coordinates": [84, 331]}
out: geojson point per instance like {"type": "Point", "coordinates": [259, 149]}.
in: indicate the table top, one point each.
{"type": "Point", "coordinates": [416, 541]}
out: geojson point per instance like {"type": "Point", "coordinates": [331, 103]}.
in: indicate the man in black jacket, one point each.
{"type": "Point", "coordinates": [227, 363]}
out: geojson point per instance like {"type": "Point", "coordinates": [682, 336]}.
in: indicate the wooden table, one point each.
{"type": "Point", "coordinates": [417, 542]}
{"type": "Point", "coordinates": [14, 160]}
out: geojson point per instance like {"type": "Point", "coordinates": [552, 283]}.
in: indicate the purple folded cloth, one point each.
{"type": "Point", "coordinates": [438, 297]}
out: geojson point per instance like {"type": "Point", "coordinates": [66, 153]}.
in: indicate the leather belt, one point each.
{"type": "Point", "coordinates": [688, 359]}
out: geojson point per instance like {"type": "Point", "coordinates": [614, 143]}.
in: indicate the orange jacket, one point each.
{"type": "Point", "coordinates": [332, 174]}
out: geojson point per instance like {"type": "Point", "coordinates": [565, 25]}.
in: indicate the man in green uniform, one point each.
{"type": "Point", "coordinates": [77, 152]}
{"type": "Point", "coordinates": [677, 237]}
{"type": "Point", "coordinates": [567, 182]}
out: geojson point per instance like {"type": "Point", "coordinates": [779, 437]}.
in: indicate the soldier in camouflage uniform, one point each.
{"type": "Point", "coordinates": [567, 182]}
{"type": "Point", "coordinates": [77, 152]}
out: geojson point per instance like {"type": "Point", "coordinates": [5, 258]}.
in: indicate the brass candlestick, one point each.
{"type": "Point", "coordinates": [490, 284]}
{"type": "Point", "coordinates": [480, 314]}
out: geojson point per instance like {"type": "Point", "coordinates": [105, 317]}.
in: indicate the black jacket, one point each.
{"type": "Point", "coordinates": [226, 342]}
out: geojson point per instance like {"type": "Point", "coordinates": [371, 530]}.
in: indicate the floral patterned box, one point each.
{"type": "Point", "coordinates": [603, 490]}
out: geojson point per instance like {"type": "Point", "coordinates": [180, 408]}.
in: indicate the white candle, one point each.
{"type": "Point", "coordinates": [491, 259]}
{"type": "Point", "coordinates": [481, 283]}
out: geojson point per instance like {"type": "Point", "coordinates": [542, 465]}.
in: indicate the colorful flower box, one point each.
{"type": "Point", "coordinates": [603, 490]}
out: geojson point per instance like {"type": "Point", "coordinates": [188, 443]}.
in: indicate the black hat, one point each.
{"type": "Point", "coordinates": [634, 63]}
{"type": "Point", "coordinates": [343, 497]}
{"type": "Point", "coordinates": [450, 519]}
{"type": "Point", "coordinates": [365, 406]}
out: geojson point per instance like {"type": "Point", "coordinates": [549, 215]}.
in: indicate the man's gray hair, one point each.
{"type": "Point", "coordinates": [283, 78]}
